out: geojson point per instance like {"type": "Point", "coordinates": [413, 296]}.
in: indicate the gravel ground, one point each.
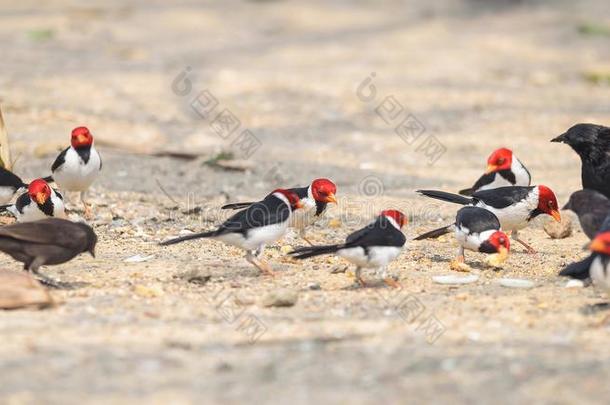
{"type": "Point", "coordinates": [471, 75]}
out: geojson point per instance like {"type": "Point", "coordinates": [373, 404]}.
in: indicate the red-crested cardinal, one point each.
{"type": "Point", "coordinates": [251, 229]}
{"type": "Point", "coordinates": [514, 206]}
{"type": "Point", "coordinates": [315, 199]}
{"type": "Point", "coordinates": [374, 246]}
{"type": "Point", "coordinates": [478, 230]}
{"type": "Point", "coordinates": [503, 169]}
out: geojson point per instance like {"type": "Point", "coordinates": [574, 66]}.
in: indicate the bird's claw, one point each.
{"type": "Point", "coordinates": [459, 265]}
{"type": "Point", "coordinates": [391, 282]}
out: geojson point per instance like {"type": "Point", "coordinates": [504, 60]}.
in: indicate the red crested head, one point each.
{"type": "Point", "coordinates": [547, 202]}
{"type": "Point", "coordinates": [397, 216]}
{"type": "Point", "coordinates": [81, 138]}
{"type": "Point", "coordinates": [601, 244]}
{"type": "Point", "coordinates": [500, 159]}
{"type": "Point", "coordinates": [39, 191]}
{"type": "Point", "coordinates": [324, 190]}
{"type": "Point", "coordinates": [292, 197]}
{"type": "Point", "coordinates": [500, 241]}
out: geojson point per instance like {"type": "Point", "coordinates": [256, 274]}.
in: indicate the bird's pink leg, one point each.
{"type": "Point", "coordinates": [527, 247]}
{"type": "Point", "coordinates": [260, 264]}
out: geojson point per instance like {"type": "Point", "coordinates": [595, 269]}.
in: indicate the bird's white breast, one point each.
{"type": "Point", "coordinates": [305, 216]}
{"type": "Point", "coordinates": [514, 217]}
{"type": "Point", "coordinates": [471, 241]}
{"type": "Point", "coordinates": [522, 176]}
{"type": "Point", "coordinates": [256, 237]}
{"type": "Point", "coordinates": [600, 274]}
{"type": "Point", "coordinates": [76, 175]}
{"type": "Point", "coordinates": [6, 194]}
{"type": "Point", "coordinates": [378, 256]}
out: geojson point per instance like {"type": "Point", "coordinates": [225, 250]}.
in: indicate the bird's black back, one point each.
{"type": "Point", "coordinates": [477, 219]}
{"type": "Point", "coordinates": [52, 231]}
{"type": "Point", "coordinates": [502, 197]}
{"type": "Point", "coordinates": [10, 179]}
{"type": "Point", "coordinates": [591, 207]}
{"type": "Point", "coordinates": [269, 211]}
{"type": "Point", "coordinates": [379, 233]}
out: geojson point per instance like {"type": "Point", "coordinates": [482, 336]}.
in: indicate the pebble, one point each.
{"type": "Point", "coordinates": [451, 279]}
{"type": "Point", "coordinates": [21, 290]}
{"type": "Point", "coordinates": [516, 283]}
{"type": "Point", "coordinates": [559, 230]}
{"type": "Point", "coordinates": [314, 286]}
{"type": "Point", "coordinates": [281, 298]}
{"type": "Point", "coordinates": [138, 259]}
{"type": "Point", "coordinates": [575, 284]}
{"type": "Point", "coordinates": [195, 276]}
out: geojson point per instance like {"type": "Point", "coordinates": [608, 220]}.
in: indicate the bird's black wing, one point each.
{"type": "Point", "coordinates": [23, 201]}
{"type": "Point", "coordinates": [508, 175]}
{"type": "Point", "coordinates": [61, 159]}
{"type": "Point", "coordinates": [270, 211]}
{"type": "Point", "coordinates": [10, 179]}
{"type": "Point", "coordinates": [578, 270]}
{"type": "Point", "coordinates": [300, 191]}
{"type": "Point", "coordinates": [52, 231]}
{"type": "Point", "coordinates": [379, 233]}
{"type": "Point", "coordinates": [484, 180]}
{"type": "Point", "coordinates": [477, 220]}
{"type": "Point", "coordinates": [502, 197]}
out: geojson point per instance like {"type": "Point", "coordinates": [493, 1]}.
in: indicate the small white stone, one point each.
{"type": "Point", "coordinates": [138, 259]}
{"type": "Point", "coordinates": [516, 283]}
{"type": "Point", "coordinates": [451, 279]}
{"type": "Point", "coordinates": [575, 284]}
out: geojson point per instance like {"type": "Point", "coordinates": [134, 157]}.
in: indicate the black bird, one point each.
{"type": "Point", "coordinates": [591, 207]}
{"type": "Point", "coordinates": [592, 143]}
{"type": "Point", "coordinates": [46, 242]}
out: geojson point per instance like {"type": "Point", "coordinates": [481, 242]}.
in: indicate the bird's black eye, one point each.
{"type": "Point", "coordinates": [501, 161]}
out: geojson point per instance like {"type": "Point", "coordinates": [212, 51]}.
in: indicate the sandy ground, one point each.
{"type": "Point", "coordinates": [143, 76]}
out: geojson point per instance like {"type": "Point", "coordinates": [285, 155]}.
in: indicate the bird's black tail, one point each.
{"type": "Point", "coordinates": [448, 197]}
{"type": "Point", "coordinates": [48, 179]}
{"type": "Point", "coordinates": [236, 206]}
{"type": "Point", "coordinates": [437, 233]}
{"type": "Point", "coordinates": [578, 270]}
{"type": "Point", "coordinates": [467, 192]}
{"type": "Point", "coordinates": [312, 251]}
{"type": "Point", "coordinates": [189, 237]}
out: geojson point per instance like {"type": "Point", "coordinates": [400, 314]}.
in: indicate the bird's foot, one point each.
{"type": "Point", "coordinates": [310, 243]}
{"type": "Point", "coordinates": [52, 283]}
{"type": "Point", "coordinates": [459, 265]}
{"type": "Point", "coordinates": [530, 250]}
{"type": "Point", "coordinates": [361, 282]}
{"type": "Point", "coordinates": [88, 212]}
{"type": "Point", "coordinates": [265, 268]}
{"type": "Point", "coordinates": [392, 282]}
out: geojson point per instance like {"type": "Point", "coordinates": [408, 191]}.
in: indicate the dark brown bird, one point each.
{"type": "Point", "coordinates": [47, 242]}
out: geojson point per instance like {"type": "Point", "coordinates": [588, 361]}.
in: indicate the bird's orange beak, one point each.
{"type": "Point", "coordinates": [41, 198]}
{"type": "Point", "coordinates": [331, 198]}
{"type": "Point", "coordinates": [491, 169]}
{"type": "Point", "coordinates": [299, 204]}
{"type": "Point", "coordinates": [81, 139]}
{"type": "Point", "coordinates": [556, 215]}
{"type": "Point", "coordinates": [597, 246]}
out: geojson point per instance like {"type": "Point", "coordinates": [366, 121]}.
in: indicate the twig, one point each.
{"type": "Point", "coordinates": [5, 153]}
